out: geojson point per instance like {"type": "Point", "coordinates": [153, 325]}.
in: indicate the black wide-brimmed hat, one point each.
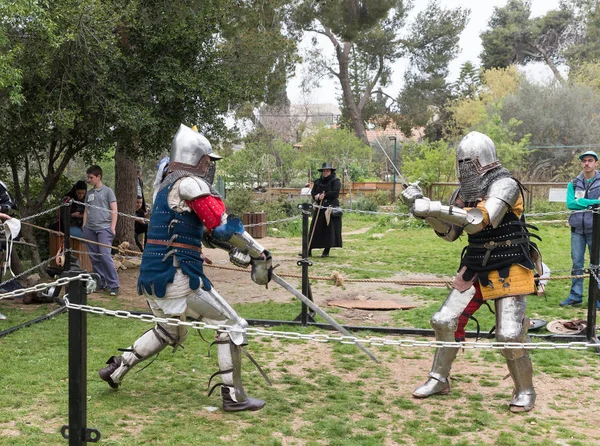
{"type": "Point", "coordinates": [326, 166]}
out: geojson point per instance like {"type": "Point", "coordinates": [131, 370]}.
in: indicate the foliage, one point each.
{"type": "Point", "coordinates": [586, 74]}
{"type": "Point", "coordinates": [95, 72]}
{"type": "Point", "coordinates": [512, 152]}
{"type": "Point", "coordinates": [341, 147]}
{"type": "Point", "coordinates": [364, 203]}
{"type": "Point", "coordinates": [367, 39]}
{"type": "Point", "coordinates": [429, 162]}
{"type": "Point", "coordinates": [516, 38]}
{"type": "Point", "coordinates": [568, 119]}
{"type": "Point", "coordinates": [421, 102]}
{"type": "Point", "coordinates": [240, 200]}
{"type": "Point", "coordinates": [587, 48]}
{"type": "Point", "coordinates": [469, 82]}
{"type": "Point", "coordinates": [470, 111]}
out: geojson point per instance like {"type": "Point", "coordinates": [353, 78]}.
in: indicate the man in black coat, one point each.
{"type": "Point", "coordinates": [326, 232]}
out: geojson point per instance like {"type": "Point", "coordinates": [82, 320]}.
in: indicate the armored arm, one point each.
{"type": "Point", "coordinates": [195, 193]}
{"type": "Point", "coordinates": [502, 196]}
{"type": "Point", "coordinates": [443, 229]}
{"type": "Point", "coordinates": [233, 233]}
{"type": "Point", "coordinates": [442, 218]}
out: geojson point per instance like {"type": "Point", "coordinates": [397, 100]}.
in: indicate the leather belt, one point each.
{"type": "Point", "coordinates": [174, 244]}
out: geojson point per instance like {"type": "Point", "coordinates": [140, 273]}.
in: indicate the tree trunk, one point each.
{"type": "Point", "coordinates": [551, 64]}
{"type": "Point", "coordinates": [126, 192]}
{"type": "Point", "coordinates": [354, 111]}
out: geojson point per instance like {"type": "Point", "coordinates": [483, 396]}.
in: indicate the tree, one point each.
{"type": "Point", "coordinates": [60, 52]}
{"type": "Point", "coordinates": [123, 75]}
{"type": "Point", "coordinates": [470, 112]}
{"type": "Point", "coordinates": [366, 39]}
{"type": "Point", "coordinates": [569, 118]}
{"type": "Point", "coordinates": [469, 82]}
{"type": "Point", "coordinates": [341, 147]}
{"type": "Point", "coordinates": [198, 60]}
{"type": "Point", "coordinates": [587, 47]}
{"type": "Point", "coordinates": [516, 38]}
{"type": "Point", "coordinates": [421, 102]}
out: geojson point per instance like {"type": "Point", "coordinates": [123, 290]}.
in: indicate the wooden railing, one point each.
{"type": "Point", "coordinates": [436, 191]}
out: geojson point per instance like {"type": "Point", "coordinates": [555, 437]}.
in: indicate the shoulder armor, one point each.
{"type": "Point", "coordinates": [505, 189]}
{"type": "Point", "coordinates": [192, 187]}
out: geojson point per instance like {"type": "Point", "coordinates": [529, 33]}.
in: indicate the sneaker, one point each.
{"type": "Point", "coordinates": [570, 302]}
{"type": "Point", "coordinates": [114, 291]}
{"type": "Point", "coordinates": [2, 317]}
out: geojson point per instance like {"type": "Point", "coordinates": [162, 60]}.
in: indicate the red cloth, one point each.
{"type": "Point", "coordinates": [209, 209]}
{"type": "Point", "coordinates": [473, 306]}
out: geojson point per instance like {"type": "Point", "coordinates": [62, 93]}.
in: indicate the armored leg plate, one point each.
{"type": "Point", "coordinates": [433, 386]}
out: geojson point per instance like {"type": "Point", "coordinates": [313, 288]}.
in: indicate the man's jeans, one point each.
{"type": "Point", "coordinates": [578, 244]}
{"type": "Point", "coordinates": [102, 262]}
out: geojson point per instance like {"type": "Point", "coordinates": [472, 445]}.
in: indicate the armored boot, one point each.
{"type": "Point", "coordinates": [439, 380]}
{"type": "Point", "coordinates": [230, 368]}
{"type": "Point", "coordinates": [521, 371]}
{"type": "Point", "coordinates": [444, 322]}
{"type": "Point", "coordinates": [512, 326]}
{"type": "Point", "coordinates": [147, 345]}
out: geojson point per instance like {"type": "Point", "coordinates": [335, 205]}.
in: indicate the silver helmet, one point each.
{"type": "Point", "coordinates": [476, 153]}
{"type": "Point", "coordinates": [189, 146]}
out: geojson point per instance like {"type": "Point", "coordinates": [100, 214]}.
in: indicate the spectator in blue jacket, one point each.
{"type": "Point", "coordinates": [583, 192]}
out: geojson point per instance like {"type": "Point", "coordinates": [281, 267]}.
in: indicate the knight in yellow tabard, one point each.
{"type": "Point", "coordinates": [497, 263]}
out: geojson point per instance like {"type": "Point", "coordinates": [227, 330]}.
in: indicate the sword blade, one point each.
{"type": "Point", "coordinates": [310, 304]}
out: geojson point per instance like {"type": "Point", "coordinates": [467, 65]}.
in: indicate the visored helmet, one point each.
{"type": "Point", "coordinates": [476, 153]}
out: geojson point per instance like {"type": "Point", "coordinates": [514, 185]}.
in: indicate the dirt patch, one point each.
{"type": "Point", "coordinates": [236, 286]}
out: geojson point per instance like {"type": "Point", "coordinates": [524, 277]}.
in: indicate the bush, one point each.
{"type": "Point", "coordinates": [365, 203]}
{"type": "Point", "coordinates": [241, 200]}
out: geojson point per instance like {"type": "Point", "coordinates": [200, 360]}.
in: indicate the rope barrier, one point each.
{"type": "Point", "coordinates": [335, 277]}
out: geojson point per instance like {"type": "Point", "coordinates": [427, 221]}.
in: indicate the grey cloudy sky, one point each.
{"type": "Point", "coordinates": [470, 43]}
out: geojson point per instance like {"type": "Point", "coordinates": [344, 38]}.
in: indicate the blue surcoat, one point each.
{"type": "Point", "coordinates": [157, 268]}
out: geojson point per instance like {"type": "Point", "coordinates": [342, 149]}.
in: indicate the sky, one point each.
{"type": "Point", "coordinates": [470, 44]}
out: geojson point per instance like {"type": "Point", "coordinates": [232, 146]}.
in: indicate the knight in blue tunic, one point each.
{"type": "Point", "coordinates": [187, 215]}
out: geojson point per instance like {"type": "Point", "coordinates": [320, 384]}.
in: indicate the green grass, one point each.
{"type": "Point", "coordinates": [323, 394]}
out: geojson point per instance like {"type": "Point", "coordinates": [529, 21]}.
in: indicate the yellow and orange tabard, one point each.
{"type": "Point", "coordinates": [499, 258]}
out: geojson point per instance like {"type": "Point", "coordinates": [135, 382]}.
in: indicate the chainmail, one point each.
{"type": "Point", "coordinates": [473, 187]}
{"type": "Point", "coordinates": [178, 174]}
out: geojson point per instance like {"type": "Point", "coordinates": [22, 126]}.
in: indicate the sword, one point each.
{"type": "Point", "coordinates": [398, 174]}
{"type": "Point", "coordinates": [310, 304]}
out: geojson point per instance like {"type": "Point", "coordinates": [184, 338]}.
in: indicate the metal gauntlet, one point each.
{"type": "Point", "coordinates": [472, 220]}
{"type": "Point", "coordinates": [262, 269]}
{"type": "Point", "coordinates": [246, 243]}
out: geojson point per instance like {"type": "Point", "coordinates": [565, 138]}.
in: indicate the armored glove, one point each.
{"type": "Point", "coordinates": [411, 193]}
{"type": "Point", "coordinates": [239, 257]}
{"type": "Point", "coordinates": [423, 208]}
{"type": "Point", "coordinates": [262, 268]}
